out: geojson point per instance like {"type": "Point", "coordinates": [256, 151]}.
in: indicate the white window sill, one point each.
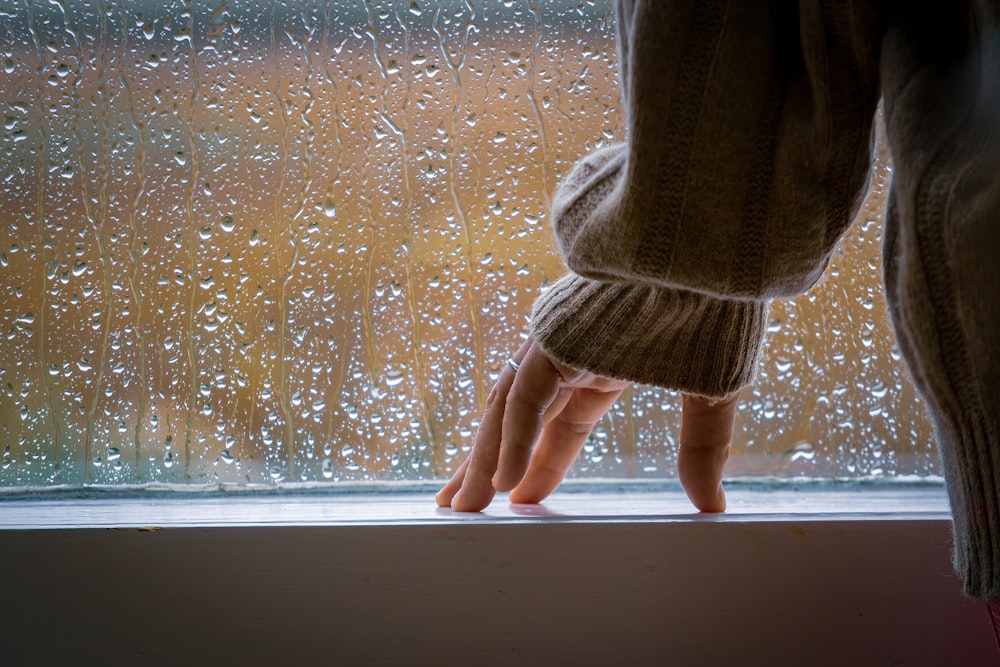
{"type": "Point", "coordinates": [578, 501]}
{"type": "Point", "coordinates": [858, 577]}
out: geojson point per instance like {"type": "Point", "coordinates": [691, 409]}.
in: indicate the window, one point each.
{"type": "Point", "coordinates": [268, 243]}
{"type": "Point", "coordinates": [288, 245]}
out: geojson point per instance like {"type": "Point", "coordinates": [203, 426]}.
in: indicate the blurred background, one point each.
{"type": "Point", "coordinates": [260, 243]}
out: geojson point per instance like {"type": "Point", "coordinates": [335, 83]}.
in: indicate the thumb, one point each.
{"type": "Point", "coordinates": [706, 432]}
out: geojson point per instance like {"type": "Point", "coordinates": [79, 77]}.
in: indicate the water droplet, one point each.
{"type": "Point", "coordinates": [801, 451]}
{"type": "Point", "coordinates": [393, 377]}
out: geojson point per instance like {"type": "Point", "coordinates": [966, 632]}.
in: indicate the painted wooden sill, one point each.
{"type": "Point", "coordinates": [805, 577]}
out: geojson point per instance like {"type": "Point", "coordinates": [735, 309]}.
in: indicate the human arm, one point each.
{"type": "Point", "coordinates": [730, 190]}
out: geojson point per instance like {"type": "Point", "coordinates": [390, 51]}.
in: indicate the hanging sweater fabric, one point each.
{"type": "Point", "coordinates": [748, 152]}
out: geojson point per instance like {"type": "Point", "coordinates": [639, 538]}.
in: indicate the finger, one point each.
{"type": "Point", "coordinates": [476, 490]}
{"type": "Point", "coordinates": [562, 439]}
{"type": "Point", "coordinates": [557, 406]}
{"type": "Point", "coordinates": [535, 389]}
{"type": "Point", "coordinates": [448, 491]}
{"type": "Point", "coordinates": [706, 434]}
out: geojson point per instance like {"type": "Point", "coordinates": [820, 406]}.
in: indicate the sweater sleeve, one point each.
{"type": "Point", "coordinates": [738, 177]}
{"type": "Point", "coordinates": [942, 237]}
{"type": "Point", "coordinates": [669, 337]}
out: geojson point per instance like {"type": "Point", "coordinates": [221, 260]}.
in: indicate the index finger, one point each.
{"type": "Point", "coordinates": [472, 484]}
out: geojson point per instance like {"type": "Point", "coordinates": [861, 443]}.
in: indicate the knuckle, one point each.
{"type": "Point", "coordinates": [705, 451]}
{"type": "Point", "coordinates": [576, 427]}
{"type": "Point", "coordinates": [492, 397]}
{"type": "Point", "coordinates": [515, 446]}
{"type": "Point", "coordinates": [563, 372]}
{"type": "Point", "coordinates": [526, 401]}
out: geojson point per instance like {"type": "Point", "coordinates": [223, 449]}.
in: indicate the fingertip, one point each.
{"type": "Point", "coordinates": [442, 499]}
{"type": "Point", "coordinates": [458, 503]}
{"type": "Point", "coordinates": [537, 485]}
{"type": "Point", "coordinates": [524, 498]}
{"type": "Point", "coordinates": [501, 484]}
{"type": "Point", "coordinates": [461, 503]}
{"type": "Point", "coordinates": [712, 503]}
{"type": "Point", "coordinates": [720, 500]}
{"type": "Point", "coordinates": [510, 469]}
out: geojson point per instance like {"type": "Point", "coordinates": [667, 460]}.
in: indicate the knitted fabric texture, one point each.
{"type": "Point", "coordinates": [748, 150]}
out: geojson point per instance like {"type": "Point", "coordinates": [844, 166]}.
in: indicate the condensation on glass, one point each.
{"type": "Point", "coordinates": [255, 242]}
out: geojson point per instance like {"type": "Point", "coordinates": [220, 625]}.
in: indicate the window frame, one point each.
{"type": "Point", "coordinates": [99, 575]}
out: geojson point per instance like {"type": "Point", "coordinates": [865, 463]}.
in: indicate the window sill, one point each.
{"type": "Point", "coordinates": [785, 577]}
{"type": "Point", "coordinates": [577, 501]}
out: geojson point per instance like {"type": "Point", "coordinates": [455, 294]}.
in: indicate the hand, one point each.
{"type": "Point", "coordinates": [557, 406]}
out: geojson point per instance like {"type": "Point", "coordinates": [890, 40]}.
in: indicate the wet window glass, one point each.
{"type": "Point", "coordinates": [259, 243]}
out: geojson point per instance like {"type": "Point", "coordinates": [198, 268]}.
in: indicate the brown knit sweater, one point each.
{"type": "Point", "coordinates": [749, 131]}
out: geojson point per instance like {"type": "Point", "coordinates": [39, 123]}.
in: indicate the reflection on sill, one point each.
{"type": "Point", "coordinates": [576, 502]}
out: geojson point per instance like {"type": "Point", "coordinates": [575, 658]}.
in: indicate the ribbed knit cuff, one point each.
{"type": "Point", "coordinates": [670, 338]}
{"type": "Point", "coordinates": [971, 460]}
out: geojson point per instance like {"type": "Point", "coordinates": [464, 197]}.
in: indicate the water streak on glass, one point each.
{"type": "Point", "coordinates": [259, 243]}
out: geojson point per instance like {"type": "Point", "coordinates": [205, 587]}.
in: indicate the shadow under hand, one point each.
{"type": "Point", "coordinates": [535, 510]}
